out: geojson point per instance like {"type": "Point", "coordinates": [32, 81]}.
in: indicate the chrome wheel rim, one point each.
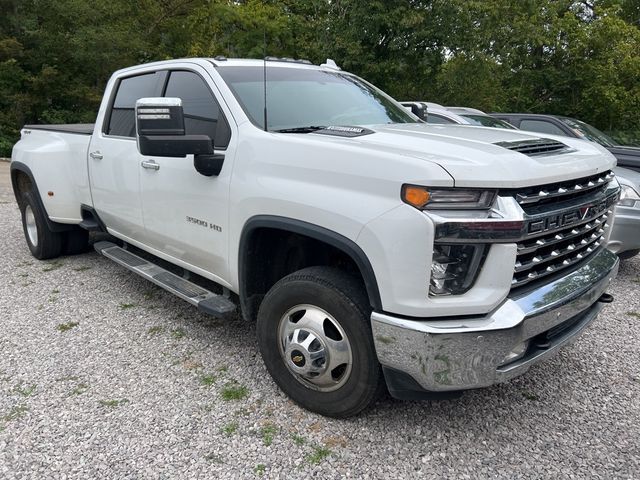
{"type": "Point", "coordinates": [315, 348]}
{"type": "Point", "coordinates": [30, 223]}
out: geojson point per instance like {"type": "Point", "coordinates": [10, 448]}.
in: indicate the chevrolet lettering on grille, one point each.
{"type": "Point", "coordinates": [556, 221]}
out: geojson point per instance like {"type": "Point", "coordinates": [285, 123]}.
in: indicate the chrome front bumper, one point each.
{"type": "Point", "coordinates": [470, 352]}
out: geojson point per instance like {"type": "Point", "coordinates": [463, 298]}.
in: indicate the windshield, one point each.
{"type": "Point", "coordinates": [590, 133]}
{"type": "Point", "coordinates": [486, 121]}
{"type": "Point", "coordinates": [301, 97]}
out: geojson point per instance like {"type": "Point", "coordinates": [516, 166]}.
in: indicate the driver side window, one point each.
{"type": "Point", "coordinates": [202, 115]}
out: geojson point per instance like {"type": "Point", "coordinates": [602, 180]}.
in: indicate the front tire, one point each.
{"type": "Point", "coordinates": [42, 242]}
{"type": "Point", "coordinates": [315, 338]}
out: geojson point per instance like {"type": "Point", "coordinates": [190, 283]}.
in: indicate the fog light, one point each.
{"type": "Point", "coordinates": [454, 268]}
{"type": "Point", "coordinates": [517, 352]}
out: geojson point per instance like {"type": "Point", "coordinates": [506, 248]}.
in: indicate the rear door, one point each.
{"type": "Point", "coordinates": [114, 161]}
{"type": "Point", "coordinates": [186, 213]}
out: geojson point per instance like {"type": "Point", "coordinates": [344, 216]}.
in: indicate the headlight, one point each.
{"type": "Point", "coordinates": [425, 198]}
{"type": "Point", "coordinates": [628, 196]}
{"type": "Point", "coordinates": [454, 268]}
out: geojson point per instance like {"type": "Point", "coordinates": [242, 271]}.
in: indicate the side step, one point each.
{"type": "Point", "coordinates": [206, 301]}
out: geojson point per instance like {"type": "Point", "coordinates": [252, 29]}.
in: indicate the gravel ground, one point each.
{"type": "Point", "coordinates": [103, 375]}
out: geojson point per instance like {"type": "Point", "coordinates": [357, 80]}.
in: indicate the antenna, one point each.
{"type": "Point", "coordinates": [264, 79]}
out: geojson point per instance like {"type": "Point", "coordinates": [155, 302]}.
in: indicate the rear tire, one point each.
{"type": "Point", "coordinates": [315, 338]}
{"type": "Point", "coordinates": [42, 242]}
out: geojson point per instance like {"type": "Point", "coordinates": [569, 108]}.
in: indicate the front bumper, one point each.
{"type": "Point", "coordinates": [469, 352]}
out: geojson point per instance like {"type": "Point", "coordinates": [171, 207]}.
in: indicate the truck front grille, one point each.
{"type": "Point", "coordinates": [559, 239]}
{"type": "Point", "coordinates": [561, 249]}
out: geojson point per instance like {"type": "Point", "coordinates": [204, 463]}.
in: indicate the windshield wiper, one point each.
{"type": "Point", "coordinates": [309, 129]}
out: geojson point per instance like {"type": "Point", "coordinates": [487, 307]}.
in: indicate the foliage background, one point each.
{"type": "Point", "coordinates": [577, 58]}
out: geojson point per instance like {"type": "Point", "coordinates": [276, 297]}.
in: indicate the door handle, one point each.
{"type": "Point", "coordinates": [96, 155]}
{"type": "Point", "coordinates": [150, 164]}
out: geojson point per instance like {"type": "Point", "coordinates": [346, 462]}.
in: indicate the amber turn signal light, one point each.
{"type": "Point", "coordinates": [415, 196]}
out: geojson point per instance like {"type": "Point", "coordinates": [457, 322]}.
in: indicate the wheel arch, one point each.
{"type": "Point", "coordinates": [22, 180]}
{"type": "Point", "coordinates": [248, 261]}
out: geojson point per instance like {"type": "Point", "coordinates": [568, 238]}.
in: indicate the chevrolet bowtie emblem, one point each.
{"type": "Point", "coordinates": [584, 211]}
{"type": "Point", "coordinates": [297, 358]}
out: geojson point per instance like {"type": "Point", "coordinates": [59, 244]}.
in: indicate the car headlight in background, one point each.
{"type": "Point", "coordinates": [426, 198]}
{"type": "Point", "coordinates": [628, 196]}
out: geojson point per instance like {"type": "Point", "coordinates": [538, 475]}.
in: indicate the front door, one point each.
{"type": "Point", "coordinates": [186, 213]}
{"type": "Point", "coordinates": [114, 161]}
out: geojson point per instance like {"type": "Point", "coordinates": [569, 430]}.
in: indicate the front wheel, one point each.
{"type": "Point", "coordinates": [315, 338]}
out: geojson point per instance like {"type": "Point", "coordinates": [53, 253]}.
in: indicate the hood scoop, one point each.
{"type": "Point", "coordinates": [536, 146]}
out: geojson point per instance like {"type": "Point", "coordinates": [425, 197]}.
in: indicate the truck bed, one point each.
{"type": "Point", "coordinates": [77, 128]}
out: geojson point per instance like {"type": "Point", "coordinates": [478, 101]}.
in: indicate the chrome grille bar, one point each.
{"type": "Point", "coordinates": [564, 189]}
{"type": "Point", "coordinates": [558, 253]}
{"type": "Point", "coordinates": [561, 264]}
{"type": "Point", "coordinates": [576, 231]}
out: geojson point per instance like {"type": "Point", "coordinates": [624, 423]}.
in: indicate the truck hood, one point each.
{"type": "Point", "coordinates": [480, 157]}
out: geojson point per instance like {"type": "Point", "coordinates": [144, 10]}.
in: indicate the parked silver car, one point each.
{"type": "Point", "coordinates": [625, 237]}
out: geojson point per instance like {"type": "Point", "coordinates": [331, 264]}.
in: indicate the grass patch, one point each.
{"type": "Point", "coordinates": [223, 369]}
{"type": "Point", "coordinates": [127, 306]}
{"type": "Point", "coordinates": [318, 455]}
{"type": "Point", "coordinates": [297, 439]}
{"type": "Point", "coordinates": [233, 391]}
{"type": "Point", "coordinates": [260, 469]}
{"type": "Point", "coordinates": [530, 396]}
{"type": "Point", "coordinates": [113, 403]}
{"type": "Point", "coordinates": [149, 295]}
{"type": "Point", "coordinates": [25, 391]}
{"type": "Point", "coordinates": [15, 413]}
{"type": "Point", "coordinates": [230, 428]}
{"type": "Point", "coordinates": [207, 380]}
{"type": "Point", "coordinates": [178, 333]}
{"type": "Point", "coordinates": [634, 314]}
{"type": "Point", "coordinates": [51, 266]}
{"type": "Point", "coordinates": [267, 433]}
{"type": "Point", "coordinates": [80, 389]}
{"type": "Point", "coordinates": [155, 330]}
{"type": "Point", "coordinates": [63, 327]}
{"type": "Point", "coordinates": [83, 268]}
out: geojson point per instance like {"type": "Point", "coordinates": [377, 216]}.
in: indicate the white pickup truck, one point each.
{"type": "Point", "coordinates": [371, 248]}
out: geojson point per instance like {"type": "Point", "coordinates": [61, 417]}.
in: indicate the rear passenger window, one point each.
{"type": "Point", "coordinates": [541, 126]}
{"type": "Point", "coordinates": [122, 116]}
{"type": "Point", "coordinates": [202, 115]}
{"type": "Point", "coordinates": [438, 119]}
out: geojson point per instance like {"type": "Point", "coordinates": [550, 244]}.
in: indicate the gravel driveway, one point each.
{"type": "Point", "coordinates": [103, 375]}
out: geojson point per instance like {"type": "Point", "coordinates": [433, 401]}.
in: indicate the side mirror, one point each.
{"type": "Point", "coordinates": [160, 130]}
{"type": "Point", "coordinates": [419, 110]}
